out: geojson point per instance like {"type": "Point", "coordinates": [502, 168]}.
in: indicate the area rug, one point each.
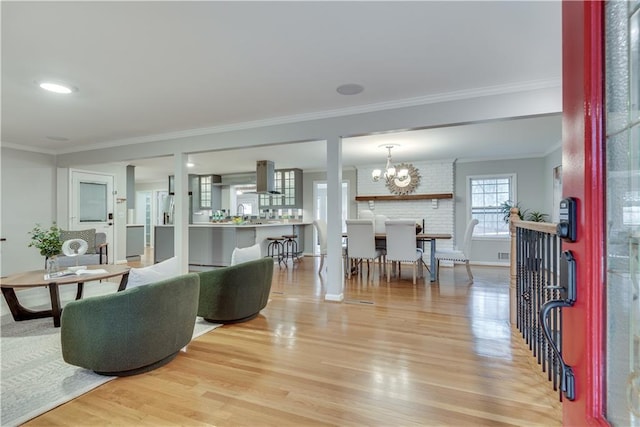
{"type": "Point", "coordinates": [34, 378]}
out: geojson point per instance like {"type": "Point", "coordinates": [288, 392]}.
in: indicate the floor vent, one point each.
{"type": "Point", "coordinates": [277, 292]}
{"type": "Point", "coordinates": [503, 255]}
{"type": "Point", "coordinates": [354, 301]}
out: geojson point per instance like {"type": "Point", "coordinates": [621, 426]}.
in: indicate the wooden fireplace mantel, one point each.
{"type": "Point", "coordinates": [394, 197]}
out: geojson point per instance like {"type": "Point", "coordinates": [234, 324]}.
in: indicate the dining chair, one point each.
{"type": "Point", "coordinates": [378, 225]}
{"type": "Point", "coordinates": [366, 214]}
{"type": "Point", "coordinates": [361, 241]}
{"type": "Point", "coordinates": [321, 228]}
{"type": "Point", "coordinates": [401, 245]}
{"type": "Point", "coordinates": [457, 255]}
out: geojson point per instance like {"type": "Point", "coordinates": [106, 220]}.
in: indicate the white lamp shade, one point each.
{"type": "Point", "coordinates": [390, 173]}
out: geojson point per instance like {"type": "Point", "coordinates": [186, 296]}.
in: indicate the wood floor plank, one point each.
{"type": "Point", "coordinates": [392, 354]}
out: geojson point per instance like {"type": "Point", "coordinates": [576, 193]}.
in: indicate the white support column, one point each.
{"type": "Point", "coordinates": [335, 276]}
{"type": "Point", "coordinates": [181, 216]}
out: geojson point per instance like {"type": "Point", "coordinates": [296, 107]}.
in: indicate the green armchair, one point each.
{"type": "Point", "coordinates": [133, 331]}
{"type": "Point", "coordinates": [236, 293]}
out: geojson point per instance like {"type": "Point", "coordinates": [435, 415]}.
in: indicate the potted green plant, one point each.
{"type": "Point", "coordinates": [47, 241]}
{"type": "Point", "coordinates": [505, 209]}
{"type": "Point", "coordinates": [536, 216]}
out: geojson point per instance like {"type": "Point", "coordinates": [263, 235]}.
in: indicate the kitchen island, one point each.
{"type": "Point", "coordinates": [211, 244]}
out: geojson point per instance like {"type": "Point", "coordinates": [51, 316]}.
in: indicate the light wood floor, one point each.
{"type": "Point", "coordinates": [390, 355]}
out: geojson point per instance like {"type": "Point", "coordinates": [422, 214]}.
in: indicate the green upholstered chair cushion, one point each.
{"type": "Point", "coordinates": [235, 293]}
{"type": "Point", "coordinates": [131, 331]}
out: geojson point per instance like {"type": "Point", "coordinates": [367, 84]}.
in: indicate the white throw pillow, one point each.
{"type": "Point", "coordinates": [153, 273]}
{"type": "Point", "coordinates": [240, 255]}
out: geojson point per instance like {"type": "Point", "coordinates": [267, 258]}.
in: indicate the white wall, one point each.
{"type": "Point", "coordinates": [551, 161]}
{"type": "Point", "coordinates": [28, 184]}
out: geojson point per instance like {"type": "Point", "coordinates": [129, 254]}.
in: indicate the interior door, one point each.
{"type": "Point", "coordinates": [601, 170]}
{"type": "Point", "coordinates": [91, 204]}
{"type": "Point", "coordinates": [583, 179]}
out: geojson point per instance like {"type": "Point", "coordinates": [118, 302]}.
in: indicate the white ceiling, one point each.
{"type": "Point", "coordinates": [144, 69]}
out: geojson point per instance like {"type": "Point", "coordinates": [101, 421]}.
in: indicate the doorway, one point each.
{"type": "Point", "coordinates": [91, 204]}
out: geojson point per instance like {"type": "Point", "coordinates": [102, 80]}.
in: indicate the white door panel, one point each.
{"type": "Point", "coordinates": [91, 204]}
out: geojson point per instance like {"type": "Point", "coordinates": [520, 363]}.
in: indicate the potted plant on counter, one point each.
{"type": "Point", "coordinates": [47, 241]}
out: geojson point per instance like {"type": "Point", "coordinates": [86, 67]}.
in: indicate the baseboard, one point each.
{"type": "Point", "coordinates": [490, 264]}
{"type": "Point", "coordinates": [449, 264]}
{"type": "Point", "coordinates": [334, 297]}
{"type": "Point", "coordinates": [121, 261]}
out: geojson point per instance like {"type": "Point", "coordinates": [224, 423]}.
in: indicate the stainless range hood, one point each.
{"type": "Point", "coordinates": [265, 171]}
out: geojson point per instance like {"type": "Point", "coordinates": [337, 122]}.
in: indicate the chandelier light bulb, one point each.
{"type": "Point", "coordinates": [390, 173]}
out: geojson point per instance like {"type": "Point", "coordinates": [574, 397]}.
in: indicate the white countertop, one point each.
{"type": "Point", "coordinates": [247, 225]}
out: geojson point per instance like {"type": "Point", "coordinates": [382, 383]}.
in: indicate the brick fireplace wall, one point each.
{"type": "Point", "coordinates": [436, 177]}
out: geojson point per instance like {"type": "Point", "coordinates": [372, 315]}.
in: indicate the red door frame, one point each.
{"type": "Point", "coordinates": [583, 178]}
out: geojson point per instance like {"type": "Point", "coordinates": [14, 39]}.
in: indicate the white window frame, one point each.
{"type": "Point", "coordinates": [513, 197]}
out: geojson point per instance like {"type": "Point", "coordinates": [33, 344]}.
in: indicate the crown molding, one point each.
{"type": "Point", "coordinates": [381, 106]}
{"type": "Point", "coordinates": [28, 148]}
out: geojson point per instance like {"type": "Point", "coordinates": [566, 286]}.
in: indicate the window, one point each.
{"type": "Point", "coordinates": [486, 195]}
{"type": "Point", "coordinates": [205, 191]}
{"type": "Point", "coordinates": [93, 206]}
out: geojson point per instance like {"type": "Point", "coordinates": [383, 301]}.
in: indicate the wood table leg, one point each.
{"type": "Point", "coordinates": [80, 290]}
{"type": "Point", "coordinates": [432, 260]}
{"type": "Point", "coordinates": [19, 312]}
{"type": "Point", "coordinates": [123, 282]}
{"type": "Point", "coordinates": [56, 309]}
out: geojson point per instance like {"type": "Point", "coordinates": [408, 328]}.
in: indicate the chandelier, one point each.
{"type": "Point", "coordinates": [390, 172]}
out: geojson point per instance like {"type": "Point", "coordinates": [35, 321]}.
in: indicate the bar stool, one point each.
{"type": "Point", "coordinates": [289, 247]}
{"type": "Point", "coordinates": [275, 248]}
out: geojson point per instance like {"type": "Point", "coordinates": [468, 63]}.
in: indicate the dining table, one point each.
{"type": "Point", "coordinates": [421, 239]}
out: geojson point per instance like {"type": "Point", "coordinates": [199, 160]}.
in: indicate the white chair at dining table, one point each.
{"type": "Point", "coordinates": [321, 228]}
{"type": "Point", "coordinates": [458, 255]}
{"type": "Point", "coordinates": [401, 245]}
{"type": "Point", "coordinates": [361, 241]}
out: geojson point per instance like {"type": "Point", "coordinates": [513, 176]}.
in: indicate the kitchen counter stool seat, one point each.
{"type": "Point", "coordinates": [290, 247]}
{"type": "Point", "coordinates": [275, 248]}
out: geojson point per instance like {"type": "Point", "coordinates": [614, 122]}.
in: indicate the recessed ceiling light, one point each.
{"type": "Point", "coordinates": [190, 165]}
{"type": "Point", "coordinates": [350, 89]}
{"type": "Point", "coordinates": [57, 87]}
